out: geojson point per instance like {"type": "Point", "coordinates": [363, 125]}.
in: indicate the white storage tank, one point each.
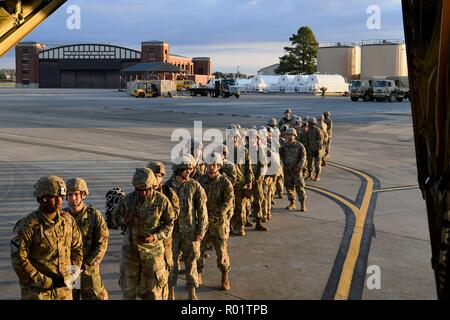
{"type": "Point", "coordinates": [385, 58]}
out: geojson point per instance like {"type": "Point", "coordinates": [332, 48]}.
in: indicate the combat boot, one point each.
{"type": "Point", "coordinates": [303, 206]}
{"type": "Point", "coordinates": [248, 223]}
{"type": "Point", "coordinates": [259, 226]}
{"type": "Point", "coordinates": [171, 293]}
{"type": "Point", "coordinates": [280, 195]}
{"type": "Point", "coordinates": [225, 285]}
{"type": "Point", "coordinates": [191, 294]}
{"type": "Point", "coordinates": [291, 205]}
{"type": "Point", "coordinates": [242, 231]}
{"type": "Point", "coordinates": [324, 163]}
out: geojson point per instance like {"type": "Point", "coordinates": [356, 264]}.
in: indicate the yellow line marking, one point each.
{"type": "Point", "coordinates": [396, 189]}
{"type": "Point", "coordinates": [337, 197]}
{"type": "Point", "coordinates": [348, 269]}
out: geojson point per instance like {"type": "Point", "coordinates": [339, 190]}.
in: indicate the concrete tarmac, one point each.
{"type": "Point", "coordinates": [366, 212]}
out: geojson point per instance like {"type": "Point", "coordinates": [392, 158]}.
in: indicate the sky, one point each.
{"type": "Point", "coordinates": [244, 34]}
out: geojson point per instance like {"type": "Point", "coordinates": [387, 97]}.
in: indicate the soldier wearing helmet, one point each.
{"type": "Point", "coordinates": [149, 220]}
{"type": "Point", "coordinates": [272, 123]}
{"type": "Point", "coordinates": [315, 147]}
{"type": "Point", "coordinates": [220, 194]}
{"type": "Point", "coordinates": [259, 169]}
{"type": "Point", "coordinates": [329, 124]}
{"type": "Point", "coordinates": [323, 127]}
{"type": "Point", "coordinates": [43, 265]}
{"type": "Point", "coordinates": [228, 168]}
{"type": "Point", "coordinates": [191, 225]}
{"type": "Point", "coordinates": [94, 232]}
{"type": "Point", "coordinates": [293, 155]}
{"type": "Point", "coordinates": [160, 171]}
{"type": "Point", "coordinates": [287, 119]}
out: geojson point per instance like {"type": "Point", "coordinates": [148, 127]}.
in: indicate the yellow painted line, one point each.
{"type": "Point", "coordinates": [348, 269]}
{"type": "Point", "coordinates": [351, 206]}
{"type": "Point", "coordinates": [396, 189]}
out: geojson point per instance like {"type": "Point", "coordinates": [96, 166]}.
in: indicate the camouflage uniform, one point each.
{"type": "Point", "coordinates": [94, 232]}
{"type": "Point", "coordinates": [284, 121]}
{"type": "Point", "coordinates": [315, 138]}
{"type": "Point", "coordinates": [153, 215]}
{"type": "Point", "coordinates": [41, 252]}
{"type": "Point", "coordinates": [293, 156]}
{"type": "Point", "coordinates": [329, 124]}
{"type": "Point", "coordinates": [241, 193]}
{"type": "Point", "coordinates": [192, 222]}
{"type": "Point", "coordinates": [220, 194]}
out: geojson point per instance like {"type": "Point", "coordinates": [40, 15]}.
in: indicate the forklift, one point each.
{"type": "Point", "coordinates": [146, 90]}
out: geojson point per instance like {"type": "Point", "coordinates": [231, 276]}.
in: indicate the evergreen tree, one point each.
{"type": "Point", "coordinates": [302, 56]}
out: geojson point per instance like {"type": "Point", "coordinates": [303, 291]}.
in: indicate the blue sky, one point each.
{"type": "Point", "coordinates": [250, 34]}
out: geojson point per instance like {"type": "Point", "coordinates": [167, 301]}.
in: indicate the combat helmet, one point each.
{"type": "Point", "coordinates": [284, 128]}
{"type": "Point", "coordinates": [291, 131]}
{"type": "Point", "coordinates": [272, 122]}
{"type": "Point", "coordinates": [50, 186]}
{"type": "Point", "coordinates": [77, 184]}
{"type": "Point", "coordinates": [183, 163]}
{"type": "Point", "coordinates": [214, 158]}
{"type": "Point", "coordinates": [327, 114]}
{"type": "Point", "coordinates": [312, 120]}
{"type": "Point", "coordinates": [156, 167]}
{"type": "Point", "coordinates": [144, 179]}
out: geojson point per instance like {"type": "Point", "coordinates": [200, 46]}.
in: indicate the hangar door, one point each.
{"type": "Point", "coordinates": [100, 79]}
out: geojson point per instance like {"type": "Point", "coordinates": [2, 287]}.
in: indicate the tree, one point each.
{"type": "Point", "coordinates": [2, 76]}
{"type": "Point", "coordinates": [302, 56]}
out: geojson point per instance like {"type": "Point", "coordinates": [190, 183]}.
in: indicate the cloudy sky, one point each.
{"type": "Point", "coordinates": [250, 34]}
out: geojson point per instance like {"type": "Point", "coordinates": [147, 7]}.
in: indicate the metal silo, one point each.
{"type": "Point", "coordinates": [339, 58]}
{"type": "Point", "coordinates": [383, 58]}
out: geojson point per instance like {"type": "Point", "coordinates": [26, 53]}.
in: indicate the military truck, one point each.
{"type": "Point", "coordinates": [360, 89]}
{"type": "Point", "coordinates": [390, 90]}
{"type": "Point", "coordinates": [224, 88]}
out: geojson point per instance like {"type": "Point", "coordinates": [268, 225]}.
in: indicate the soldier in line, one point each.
{"type": "Point", "coordinates": [287, 119]}
{"type": "Point", "coordinates": [279, 180]}
{"type": "Point", "coordinates": [315, 138]}
{"type": "Point", "coordinates": [220, 194]}
{"type": "Point", "coordinates": [323, 128]}
{"type": "Point", "coordinates": [329, 124]}
{"type": "Point", "coordinates": [160, 171]}
{"type": "Point", "coordinates": [94, 232]}
{"type": "Point", "coordinates": [293, 156]}
{"type": "Point", "coordinates": [191, 225]}
{"type": "Point", "coordinates": [259, 170]}
{"type": "Point", "coordinates": [46, 244]}
{"type": "Point", "coordinates": [148, 217]}
{"type": "Point", "coordinates": [243, 185]}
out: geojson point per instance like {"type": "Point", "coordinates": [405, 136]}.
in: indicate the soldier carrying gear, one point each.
{"type": "Point", "coordinates": [160, 171]}
{"type": "Point", "coordinates": [220, 194]}
{"type": "Point", "coordinates": [42, 265]}
{"type": "Point", "coordinates": [190, 227]}
{"type": "Point", "coordinates": [94, 232]}
{"type": "Point", "coordinates": [149, 218]}
{"type": "Point", "coordinates": [113, 197]}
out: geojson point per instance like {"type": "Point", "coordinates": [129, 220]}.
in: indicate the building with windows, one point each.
{"type": "Point", "coordinates": [97, 65]}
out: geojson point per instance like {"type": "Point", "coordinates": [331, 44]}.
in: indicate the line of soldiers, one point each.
{"type": "Point", "coordinates": [164, 224]}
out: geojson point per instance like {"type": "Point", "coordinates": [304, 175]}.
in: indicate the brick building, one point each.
{"type": "Point", "coordinates": [97, 65]}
